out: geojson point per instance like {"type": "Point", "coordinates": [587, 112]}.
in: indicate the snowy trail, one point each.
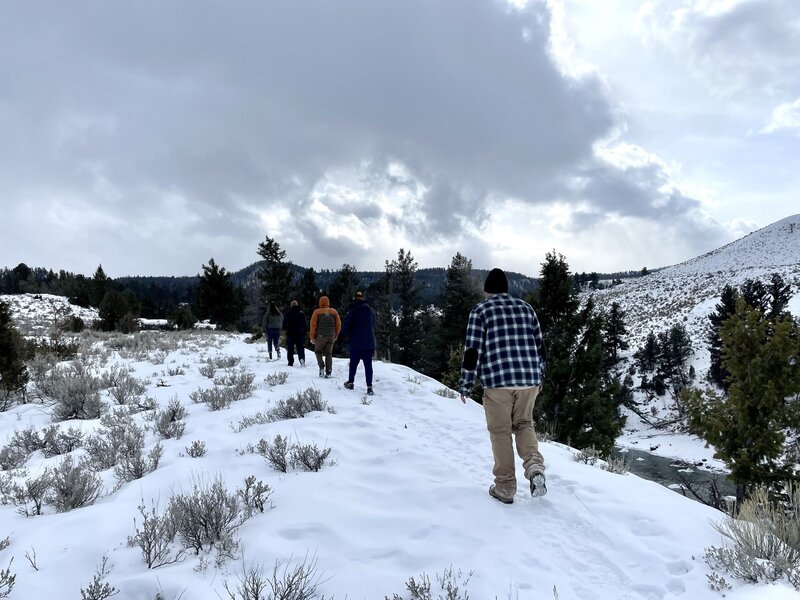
{"type": "Point", "coordinates": [406, 493]}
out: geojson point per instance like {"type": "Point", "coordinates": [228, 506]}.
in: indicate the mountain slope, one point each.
{"type": "Point", "coordinates": [688, 292]}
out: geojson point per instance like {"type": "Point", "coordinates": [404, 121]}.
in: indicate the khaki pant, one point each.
{"type": "Point", "coordinates": [511, 411]}
{"type": "Point", "coordinates": [324, 347]}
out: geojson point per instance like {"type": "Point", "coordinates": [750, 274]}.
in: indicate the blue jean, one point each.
{"type": "Point", "coordinates": [273, 337]}
{"type": "Point", "coordinates": [357, 355]}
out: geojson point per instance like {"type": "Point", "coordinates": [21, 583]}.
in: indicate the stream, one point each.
{"type": "Point", "coordinates": [667, 472]}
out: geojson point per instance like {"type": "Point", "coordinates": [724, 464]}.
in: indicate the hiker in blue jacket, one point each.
{"type": "Point", "coordinates": [359, 326]}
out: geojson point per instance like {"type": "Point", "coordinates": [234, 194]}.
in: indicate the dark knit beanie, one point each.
{"type": "Point", "coordinates": [496, 282]}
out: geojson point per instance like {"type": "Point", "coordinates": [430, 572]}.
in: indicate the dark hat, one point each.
{"type": "Point", "coordinates": [359, 295]}
{"type": "Point", "coordinates": [496, 282]}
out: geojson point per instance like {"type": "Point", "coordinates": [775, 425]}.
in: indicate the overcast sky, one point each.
{"type": "Point", "coordinates": [150, 136]}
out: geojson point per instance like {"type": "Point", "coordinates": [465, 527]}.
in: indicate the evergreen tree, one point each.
{"type": "Point", "coordinates": [309, 292]}
{"type": "Point", "coordinates": [748, 426]}
{"type": "Point", "coordinates": [277, 279]}
{"type": "Point", "coordinates": [461, 293]}
{"type": "Point", "coordinates": [217, 298]}
{"type": "Point", "coordinates": [615, 332]}
{"type": "Point", "coordinates": [113, 311]}
{"type": "Point", "coordinates": [755, 293]}
{"type": "Point", "coordinates": [380, 296]}
{"type": "Point", "coordinates": [183, 317]}
{"type": "Point", "coordinates": [100, 284]}
{"type": "Point", "coordinates": [578, 396]}
{"type": "Point", "coordinates": [343, 288]}
{"type": "Point", "coordinates": [13, 373]}
{"type": "Point", "coordinates": [430, 342]}
{"type": "Point", "coordinates": [408, 335]}
{"type": "Point", "coordinates": [646, 358]}
{"type": "Point", "coordinates": [725, 308]}
{"type": "Point", "coordinates": [779, 293]}
{"type": "Point", "coordinates": [452, 374]}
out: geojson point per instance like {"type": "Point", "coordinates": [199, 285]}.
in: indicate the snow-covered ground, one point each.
{"type": "Point", "coordinates": [405, 493]}
{"type": "Point", "coordinates": [38, 314]}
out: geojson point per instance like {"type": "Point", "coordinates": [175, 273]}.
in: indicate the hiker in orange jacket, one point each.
{"type": "Point", "coordinates": [325, 326]}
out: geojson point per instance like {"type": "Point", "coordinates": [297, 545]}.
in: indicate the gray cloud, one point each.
{"type": "Point", "coordinates": [209, 115]}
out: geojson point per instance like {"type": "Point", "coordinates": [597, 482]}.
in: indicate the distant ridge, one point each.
{"type": "Point", "coordinates": [776, 245]}
{"type": "Point", "coordinates": [688, 292]}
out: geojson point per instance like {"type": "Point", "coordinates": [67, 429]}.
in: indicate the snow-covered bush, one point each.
{"type": "Point", "coordinates": [99, 588]}
{"type": "Point", "coordinates": [453, 586]}
{"type": "Point", "coordinates": [216, 398]}
{"type": "Point", "coordinates": [123, 387]}
{"type": "Point", "coordinates": [75, 392]}
{"type": "Point", "coordinates": [170, 422]}
{"type": "Point", "coordinates": [207, 517]}
{"type": "Point", "coordinates": [7, 580]}
{"type": "Point", "coordinates": [239, 381]}
{"type": "Point", "coordinates": [286, 583]}
{"type": "Point", "coordinates": [30, 497]}
{"type": "Point", "coordinates": [308, 456]}
{"type": "Point", "coordinates": [764, 539]}
{"type": "Point", "coordinates": [255, 494]}
{"type": "Point", "coordinates": [72, 486]}
{"type": "Point", "coordinates": [297, 406]}
{"type": "Point", "coordinates": [196, 449]}
{"type": "Point", "coordinates": [154, 535]}
{"type": "Point", "coordinates": [132, 463]}
{"type": "Point", "coordinates": [276, 453]}
{"type": "Point", "coordinates": [278, 378]}
{"type": "Point", "coordinates": [56, 441]}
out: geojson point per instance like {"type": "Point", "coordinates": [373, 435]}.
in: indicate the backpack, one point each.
{"type": "Point", "coordinates": [326, 324]}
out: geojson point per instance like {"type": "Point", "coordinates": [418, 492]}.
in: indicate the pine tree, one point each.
{"type": "Point", "coordinates": [404, 280]}
{"type": "Point", "coordinates": [309, 291]}
{"type": "Point", "coordinates": [578, 397]}
{"type": "Point", "coordinates": [724, 309]}
{"type": "Point", "coordinates": [112, 311]}
{"type": "Point", "coordinates": [276, 276]}
{"type": "Point", "coordinates": [217, 298]}
{"type": "Point", "coordinates": [615, 332]}
{"type": "Point", "coordinates": [755, 293]}
{"type": "Point", "coordinates": [343, 287]}
{"type": "Point", "coordinates": [461, 293]}
{"type": "Point", "coordinates": [748, 426]}
{"type": "Point", "coordinates": [380, 294]}
{"type": "Point", "coordinates": [13, 373]}
{"type": "Point", "coordinates": [779, 293]}
{"type": "Point", "coordinates": [100, 284]}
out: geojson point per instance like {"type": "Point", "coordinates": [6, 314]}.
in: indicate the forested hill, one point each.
{"type": "Point", "coordinates": [430, 280]}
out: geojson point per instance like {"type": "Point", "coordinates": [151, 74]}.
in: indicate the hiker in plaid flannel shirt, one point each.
{"type": "Point", "coordinates": [504, 347]}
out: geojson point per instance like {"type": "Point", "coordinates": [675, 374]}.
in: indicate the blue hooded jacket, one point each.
{"type": "Point", "coordinates": [359, 326]}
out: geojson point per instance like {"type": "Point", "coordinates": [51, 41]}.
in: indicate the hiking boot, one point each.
{"type": "Point", "coordinates": [302, 362]}
{"type": "Point", "coordinates": [348, 385]}
{"type": "Point", "coordinates": [369, 391]}
{"type": "Point", "coordinates": [322, 372]}
{"type": "Point", "coordinates": [497, 496]}
{"type": "Point", "coordinates": [270, 355]}
{"type": "Point", "coordinates": [279, 352]}
{"type": "Point", "coordinates": [327, 375]}
{"type": "Point", "coordinates": [538, 487]}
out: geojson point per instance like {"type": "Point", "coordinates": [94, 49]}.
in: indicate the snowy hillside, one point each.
{"type": "Point", "coordinates": [688, 292]}
{"type": "Point", "coordinates": [404, 492]}
{"type": "Point", "coordinates": [35, 314]}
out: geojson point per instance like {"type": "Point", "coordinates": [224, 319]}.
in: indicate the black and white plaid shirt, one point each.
{"type": "Point", "coordinates": [504, 345]}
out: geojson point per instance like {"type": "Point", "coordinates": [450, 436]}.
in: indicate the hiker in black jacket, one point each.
{"type": "Point", "coordinates": [294, 324]}
{"type": "Point", "coordinates": [359, 326]}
